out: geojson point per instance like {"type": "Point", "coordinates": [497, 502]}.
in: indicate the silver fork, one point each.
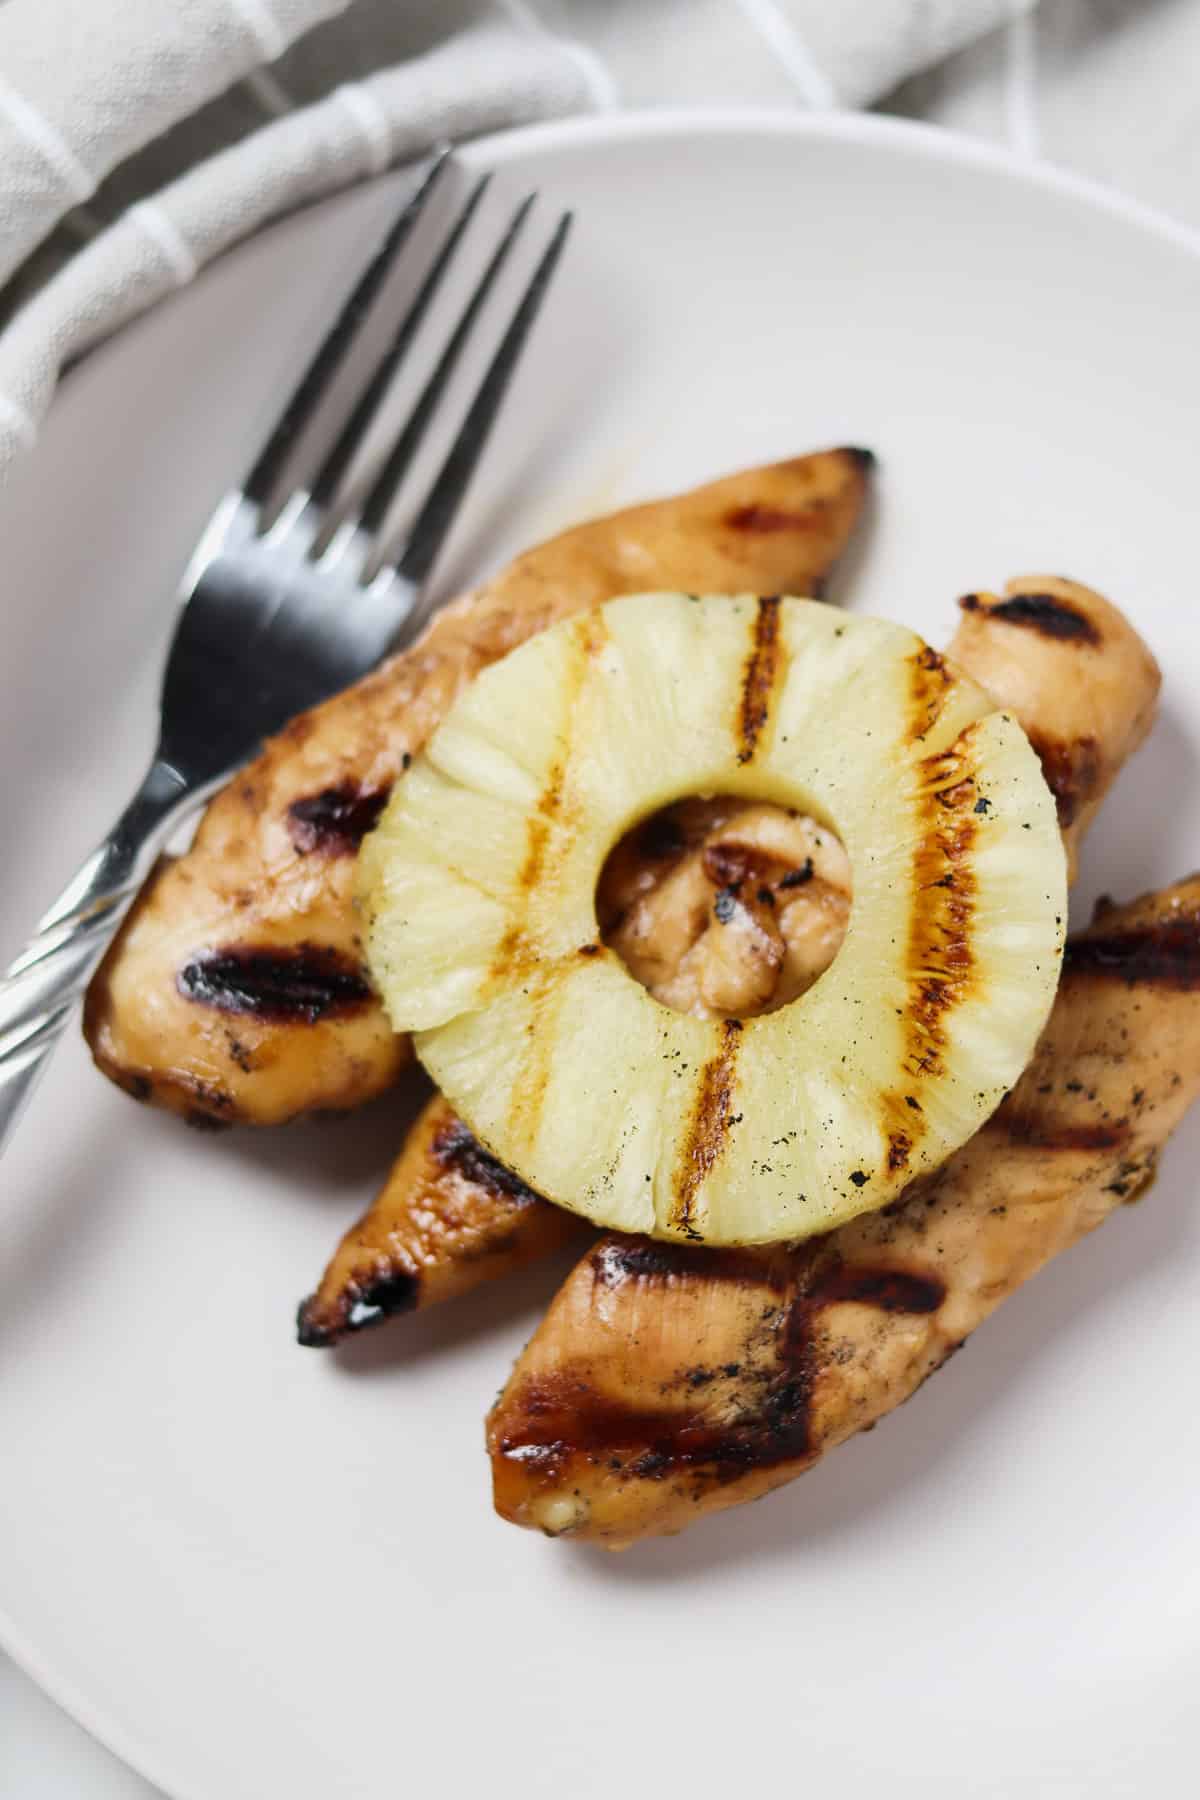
{"type": "Point", "coordinates": [275, 618]}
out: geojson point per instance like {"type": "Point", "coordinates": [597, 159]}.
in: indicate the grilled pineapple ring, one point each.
{"type": "Point", "coordinates": [478, 891]}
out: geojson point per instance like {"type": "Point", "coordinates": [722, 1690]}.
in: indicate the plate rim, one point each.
{"type": "Point", "coordinates": [938, 145]}
{"type": "Point", "coordinates": [941, 143]}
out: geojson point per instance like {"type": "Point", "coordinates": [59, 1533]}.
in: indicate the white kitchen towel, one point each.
{"type": "Point", "coordinates": [139, 139]}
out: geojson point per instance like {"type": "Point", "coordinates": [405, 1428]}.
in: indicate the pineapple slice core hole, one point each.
{"type": "Point", "coordinates": [725, 907]}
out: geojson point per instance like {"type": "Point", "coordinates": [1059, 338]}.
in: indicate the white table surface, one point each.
{"type": "Point", "coordinates": [1102, 86]}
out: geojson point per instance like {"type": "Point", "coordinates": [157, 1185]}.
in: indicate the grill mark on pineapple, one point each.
{"type": "Point", "coordinates": [903, 1128]}
{"type": "Point", "coordinates": [900, 1143]}
{"type": "Point", "coordinates": [939, 957]}
{"type": "Point", "coordinates": [708, 1129]}
{"type": "Point", "coordinates": [761, 676]}
{"type": "Point", "coordinates": [590, 635]}
{"type": "Point", "coordinates": [536, 1057]}
{"type": "Point", "coordinates": [929, 683]}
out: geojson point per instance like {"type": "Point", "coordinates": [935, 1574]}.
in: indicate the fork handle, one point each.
{"type": "Point", "coordinates": [39, 991]}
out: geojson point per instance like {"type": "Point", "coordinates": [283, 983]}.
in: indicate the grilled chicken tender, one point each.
{"type": "Point", "coordinates": [449, 1218]}
{"type": "Point", "coordinates": [668, 1382]}
{"type": "Point", "coordinates": [1077, 675]}
{"type": "Point", "coordinates": [1072, 669]}
{"type": "Point", "coordinates": [235, 989]}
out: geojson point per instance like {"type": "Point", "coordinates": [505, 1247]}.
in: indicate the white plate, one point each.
{"type": "Point", "coordinates": [254, 1570]}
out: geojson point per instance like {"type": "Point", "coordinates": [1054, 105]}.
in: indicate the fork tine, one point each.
{"type": "Point", "coordinates": [407, 444]}
{"type": "Point", "coordinates": [328, 358]}
{"type": "Point", "coordinates": [437, 514]}
{"type": "Point", "coordinates": [329, 476]}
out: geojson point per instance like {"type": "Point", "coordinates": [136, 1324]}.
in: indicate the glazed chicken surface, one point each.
{"type": "Point", "coordinates": [726, 908]}
{"type": "Point", "coordinates": [668, 1382]}
{"type": "Point", "coordinates": [235, 991]}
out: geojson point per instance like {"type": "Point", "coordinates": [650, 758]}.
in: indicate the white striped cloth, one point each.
{"type": "Point", "coordinates": [138, 138]}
